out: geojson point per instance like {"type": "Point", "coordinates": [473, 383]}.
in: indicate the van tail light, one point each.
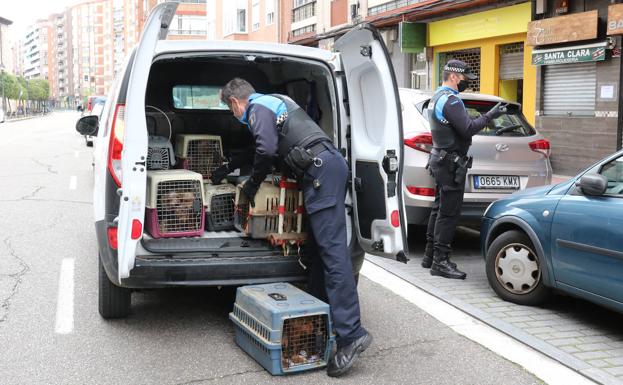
{"type": "Point", "coordinates": [116, 144]}
{"type": "Point", "coordinates": [396, 218]}
{"type": "Point", "coordinates": [542, 146]}
{"type": "Point", "coordinates": [424, 191]}
{"type": "Point", "coordinates": [112, 238]}
{"type": "Point", "coordinates": [421, 142]}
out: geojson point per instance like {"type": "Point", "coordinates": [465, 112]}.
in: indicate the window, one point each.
{"type": "Point", "coordinates": [255, 15]}
{"type": "Point", "coordinates": [304, 11]}
{"type": "Point", "coordinates": [234, 17]}
{"type": "Point", "coordinates": [613, 171]}
{"type": "Point", "coordinates": [192, 97]}
{"type": "Point", "coordinates": [188, 25]}
{"type": "Point", "coordinates": [270, 11]}
{"type": "Point", "coordinates": [511, 123]}
{"type": "Point", "coordinates": [304, 30]}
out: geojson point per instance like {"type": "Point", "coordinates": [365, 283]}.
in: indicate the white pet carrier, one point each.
{"type": "Point", "coordinates": [199, 153]}
{"type": "Point", "coordinates": [219, 205]}
{"type": "Point", "coordinates": [160, 153]}
{"type": "Point", "coordinates": [174, 205]}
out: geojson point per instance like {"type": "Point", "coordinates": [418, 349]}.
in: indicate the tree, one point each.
{"type": "Point", "coordinates": [10, 87]}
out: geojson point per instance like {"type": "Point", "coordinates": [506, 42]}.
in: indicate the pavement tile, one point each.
{"type": "Point", "coordinates": [593, 347]}
{"type": "Point", "coordinates": [616, 371]}
{"type": "Point", "coordinates": [591, 355]}
{"type": "Point", "coordinates": [564, 341]}
{"type": "Point", "coordinates": [568, 334]}
{"type": "Point", "coordinates": [569, 349]}
{"type": "Point", "coordinates": [615, 361]}
{"type": "Point", "coordinates": [542, 323]}
{"type": "Point", "coordinates": [520, 319]}
{"type": "Point", "coordinates": [545, 329]}
{"type": "Point", "coordinates": [594, 339]}
{"type": "Point", "coordinates": [598, 363]}
{"type": "Point", "coordinates": [615, 352]}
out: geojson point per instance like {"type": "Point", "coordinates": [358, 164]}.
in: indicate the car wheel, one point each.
{"type": "Point", "coordinates": [514, 270]}
{"type": "Point", "coordinates": [114, 301]}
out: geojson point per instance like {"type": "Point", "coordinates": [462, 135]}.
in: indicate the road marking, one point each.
{"type": "Point", "coordinates": [65, 302]}
{"type": "Point", "coordinates": [73, 182]}
{"type": "Point", "coordinates": [547, 369]}
{"type": "Point", "coordinates": [76, 154]}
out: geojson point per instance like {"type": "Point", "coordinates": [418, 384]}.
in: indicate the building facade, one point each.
{"type": "Point", "coordinates": [36, 50]}
{"type": "Point", "coordinates": [6, 54]}
{"type": "Point", "coordinates": [60, 72]}
{"type": "Point", "coordinates": [248, 20]}
{"type": "Point", "coordinates": [577, 55]}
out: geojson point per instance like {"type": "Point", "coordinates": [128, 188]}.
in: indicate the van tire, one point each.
{"type": "Point", "coordinates": [114, 301]}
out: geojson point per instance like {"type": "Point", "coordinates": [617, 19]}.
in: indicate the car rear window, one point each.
{"type": "Point", "coordinates": [197, 97]}
{"type": "Point", "coordinates": [512, 123]}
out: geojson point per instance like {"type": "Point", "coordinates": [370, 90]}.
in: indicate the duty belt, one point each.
{"type": "Point", "coordinates": [453, 157]}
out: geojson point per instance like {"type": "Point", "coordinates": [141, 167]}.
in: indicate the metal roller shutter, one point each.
{"type": "Point", "coordinates": [511, 61]}
{"type": "Point", "coordinates": [570, 89]}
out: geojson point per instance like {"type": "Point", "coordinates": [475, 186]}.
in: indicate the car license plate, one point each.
{"type": "Point", "coordinates": [496, 182]}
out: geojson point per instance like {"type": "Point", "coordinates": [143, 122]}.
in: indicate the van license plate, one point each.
{"type": "Point", "coordinates": [496, 182]}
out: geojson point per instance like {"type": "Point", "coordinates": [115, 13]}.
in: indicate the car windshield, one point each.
{"type": "Point", "coordinates": [512, 123]}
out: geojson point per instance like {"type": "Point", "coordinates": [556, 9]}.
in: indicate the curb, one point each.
{"type": "Point", "coordinates": [24, 118]}
{"type": "Point", "coordinates": [594, 374]}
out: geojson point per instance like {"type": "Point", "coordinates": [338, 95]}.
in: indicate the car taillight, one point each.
{"type": "Point", "coordinates": [424, 191]}
{"type": "Point", "coordinates": [542, 146]}
{"type": "Point", "coordinates": [421, 142]}
{"type": "Point", "coordinates": [116, 144]}
{"type": "Point", "coordinates": [395, 218]}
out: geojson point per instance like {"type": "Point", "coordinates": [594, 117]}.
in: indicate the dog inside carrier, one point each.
{"type": "Point", "coordinates": [219, 206]}
{"type": "Point", "coordinates": [199, 153]}
{"type": "Point", "coordinates": [174, 204]}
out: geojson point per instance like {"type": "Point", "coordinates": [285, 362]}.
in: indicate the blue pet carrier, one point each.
{"type": "Point", "coordinates": [283, 328]}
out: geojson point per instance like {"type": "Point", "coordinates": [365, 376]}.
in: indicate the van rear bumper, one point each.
{"type": "Point", "coordinates": [212, 271]}
{"type": "Point", "coordinates": [199, 269]}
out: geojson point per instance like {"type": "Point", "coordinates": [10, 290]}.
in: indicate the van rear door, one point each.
{"type": "Point", "coordinates": [376, 143]}
{"type": "Point", "coordinates": [134, 154]}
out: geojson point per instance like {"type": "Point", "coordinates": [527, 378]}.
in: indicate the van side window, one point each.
{"type": "Point", "coordinates": [197, 97]}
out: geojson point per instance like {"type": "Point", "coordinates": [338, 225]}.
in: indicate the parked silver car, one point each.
{"type": "Point", "coordinates": [509, 155]}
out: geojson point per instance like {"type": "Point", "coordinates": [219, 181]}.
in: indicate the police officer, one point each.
{"type": "Point", "coordinates": [452, 129]}
{"type": "Point", "coordinates": [283, 131]}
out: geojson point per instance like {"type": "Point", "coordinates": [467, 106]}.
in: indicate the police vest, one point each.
{"type": "Point", "coordinates": [444, 136]}
{"type": "Point", "coordinates": [295, 129]}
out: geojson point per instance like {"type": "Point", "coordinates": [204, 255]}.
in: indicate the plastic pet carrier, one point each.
{"type": "Point", "coordinates": [283, 328]}
{"type": "Point", "coordinates": [219, 205]}
{"type": "Point", "coordinates": [199, 153]}
{"type": "Point", "coordinates": [269, 216]}
{"type": "Point", "coordinates": [160, 154]}
{"type": "Point", "coordinates": [174, 204]}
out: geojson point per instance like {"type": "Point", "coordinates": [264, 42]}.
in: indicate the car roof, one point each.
{"type": "Point", "coordinates": [420, 96]}
{"type": "Point", "coordinates": [189, 46]}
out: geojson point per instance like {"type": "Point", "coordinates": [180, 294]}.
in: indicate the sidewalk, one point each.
{"type": "Point", "coordinates": [576, 333]}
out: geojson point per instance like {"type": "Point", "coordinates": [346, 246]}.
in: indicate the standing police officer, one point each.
{"type": "Point", "coordinates": [452, 129]}
{"type": "Point", "coordinates": [283, 131]}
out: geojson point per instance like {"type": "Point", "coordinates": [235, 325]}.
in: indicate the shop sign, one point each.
{"type": "Point", "coordinates": [615, 19]}
{"type": "Point", "coordinates": [563, 29]}
{"type": "Point", "coordinates": [412, 37]}
{"type": "Point", "coordinates": [566, 56]}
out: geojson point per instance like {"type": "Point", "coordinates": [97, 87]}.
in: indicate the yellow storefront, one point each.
{"type": "Point", "coordinates": [494, 42]}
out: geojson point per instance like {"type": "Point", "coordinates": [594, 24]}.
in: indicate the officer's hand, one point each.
{"type": "Point", "coordinates": [496, 111]}
{"type": "Point", "coordinates": [249, 189]}
{"type": "Point", "coordinates": [219, 174]}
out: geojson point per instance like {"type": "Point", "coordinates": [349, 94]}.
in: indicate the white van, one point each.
{"type": "Point", "coordinates": [356, 102]}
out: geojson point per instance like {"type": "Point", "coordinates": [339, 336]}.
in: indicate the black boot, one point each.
{"type": "Point", "coordinates": [443, 267]}
{"type": "Point", "coordinates": [345, 356]}
{"type": "Point", "coordinates": [427, 260]}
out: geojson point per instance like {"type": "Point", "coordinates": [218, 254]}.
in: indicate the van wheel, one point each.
{"type": "Point", "coordinates": [514, 270]}
{"type": "Point", "coordinates": [114, 301]}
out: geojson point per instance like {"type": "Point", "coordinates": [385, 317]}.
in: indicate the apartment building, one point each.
{"type": "Point", "coordinates": [36, 50]}
{"type": "Point", "coordinates": [6, 57]}
{"type": "Point", "coordinates": [60, 70]}
{"type": "Point", "coordinates": [251, 20]}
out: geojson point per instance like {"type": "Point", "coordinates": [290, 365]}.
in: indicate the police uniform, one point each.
{"type": "Point", "coordinates": [283, 131]}
{"type": "Point", "coordinates": [452, 130]}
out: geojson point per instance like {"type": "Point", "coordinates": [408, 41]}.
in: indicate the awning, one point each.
{"type": "Point", "coordinates": [572, 54]}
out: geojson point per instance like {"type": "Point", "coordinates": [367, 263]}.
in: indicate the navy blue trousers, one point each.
{"type": "Point", "coordinates": [331, 274]}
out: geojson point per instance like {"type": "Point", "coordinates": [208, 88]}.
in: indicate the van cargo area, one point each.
{"type": "Point", "coordinates": [182, 100]}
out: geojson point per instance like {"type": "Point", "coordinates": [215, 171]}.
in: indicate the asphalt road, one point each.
{"type": "Point", "coordinates": [178, 336]}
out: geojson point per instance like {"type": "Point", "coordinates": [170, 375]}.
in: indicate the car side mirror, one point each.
{"type": "Point", "coordinates": [593, 185]}
{"type": "Point", "coordinates": [88, 125]}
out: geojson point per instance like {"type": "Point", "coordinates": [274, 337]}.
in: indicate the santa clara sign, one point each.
{"type": "Point", "coordinates": [570, 55]}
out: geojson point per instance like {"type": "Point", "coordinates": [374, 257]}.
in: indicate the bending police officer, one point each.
{"type": "Point", "coordinates": [452, 130]}
{"type": "Point", "coordinates": [283, 131]}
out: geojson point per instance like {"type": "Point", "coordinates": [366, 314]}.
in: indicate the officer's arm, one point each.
{"type": "Point", "coordinates": [264, 130]}
{"type": "Point", "coordinates": [454, 111]}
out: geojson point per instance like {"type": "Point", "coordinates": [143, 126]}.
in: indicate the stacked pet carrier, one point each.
{"type": "Point", "coordinates": [160, 154]}
{"type": "Point", "coordinates": [283, 328]}
{"type": "Point", "coordinates": [174, 204]}
{"type": "Point", "coordinates": [199, 153]}
{"type": "Point", "coordinates": [277, 215]}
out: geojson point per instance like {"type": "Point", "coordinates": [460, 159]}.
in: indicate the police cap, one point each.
{"type": "Point", "coordinates": [459, 67]}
